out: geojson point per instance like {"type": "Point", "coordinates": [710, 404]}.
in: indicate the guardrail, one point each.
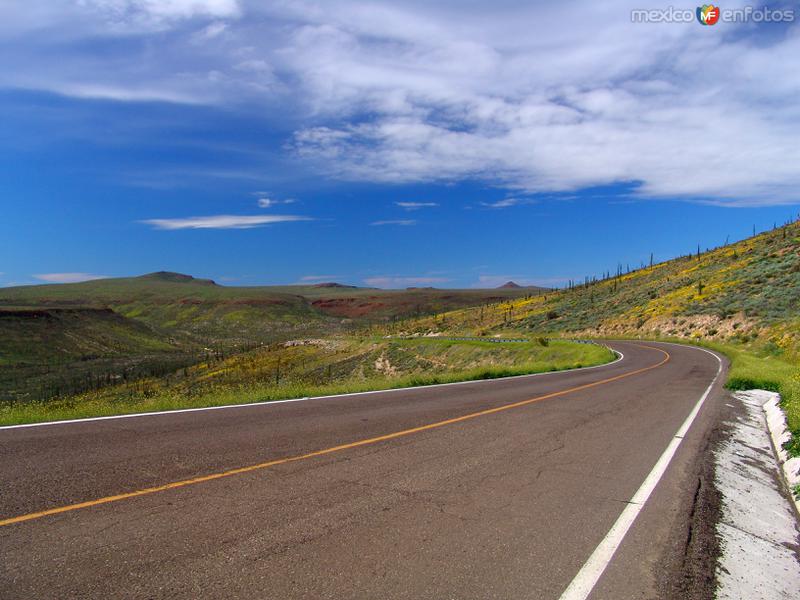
{"type": "Point", "coordinates": [494, 340]}
{"type": "Point", "coordinates": [464, 339]}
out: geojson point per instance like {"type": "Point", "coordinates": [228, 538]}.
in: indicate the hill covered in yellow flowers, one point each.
{"type": "Point", "coordinates": [746, 292]}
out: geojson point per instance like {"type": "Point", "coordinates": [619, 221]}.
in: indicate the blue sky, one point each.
{"type": "Point", "coordinates": [392, 144]}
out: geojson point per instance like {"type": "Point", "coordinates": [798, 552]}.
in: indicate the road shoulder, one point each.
{"type": "Point", "coordinates": [757, 529]}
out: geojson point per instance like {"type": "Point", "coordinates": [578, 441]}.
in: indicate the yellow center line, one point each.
{"type": "Point", "coordinates": [280, 461]}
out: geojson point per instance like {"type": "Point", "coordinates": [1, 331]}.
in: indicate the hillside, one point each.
{"type": "Point", "coordinates": [193, 310]}
{"type": "Point", "coordinates": [743, 292]}
{"type": "Point", "coordinates": [64, 334]}
{"type": "Point", "coordinates": [53, 351]}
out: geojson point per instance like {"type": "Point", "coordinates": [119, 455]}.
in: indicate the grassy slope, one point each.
{"type": "Point", "coordinates": [744, 291]}
{"type": "Point", "coordinates": [315, 367]}
{"type": "Point", "coordinates": [63, 335]}
{"type": "Point", "coordinates": [47, 352]}
{"type": "Point", "coordinates": [743, 298]}
{"type": "Point", "coordinates": [190, 309]}
{"type": "Point", "coordinates": [755, 368]}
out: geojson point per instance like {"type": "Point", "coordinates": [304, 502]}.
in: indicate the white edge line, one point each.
{"type": "Point", "coordinates": [590, 573]}
{"type": "Point", "coordinates": [620, 356]}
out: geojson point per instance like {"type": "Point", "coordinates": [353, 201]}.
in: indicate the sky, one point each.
{"type": "Point", "coordinates": [389, 144]}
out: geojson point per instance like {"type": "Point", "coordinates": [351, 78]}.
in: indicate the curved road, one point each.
{"type": "Point", "coordinates": [492, 489]}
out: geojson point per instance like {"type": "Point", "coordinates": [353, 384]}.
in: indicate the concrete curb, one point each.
{"type": "Point", "coordinates": [758, 524]}
{"type": "Point", "coordinates": [780, 434]}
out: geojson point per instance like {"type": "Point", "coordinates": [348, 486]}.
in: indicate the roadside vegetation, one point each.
{"type": "Point", "coordinates": [314, 367]}
{"type": "Point", "coordinates": [757, 368]}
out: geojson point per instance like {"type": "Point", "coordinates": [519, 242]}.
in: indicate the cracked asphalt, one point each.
{"type": "Point", "coordinates": [508, 504]}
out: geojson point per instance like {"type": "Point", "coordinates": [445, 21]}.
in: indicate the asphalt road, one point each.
{"type": "Point", "coordinates": [460, 501]}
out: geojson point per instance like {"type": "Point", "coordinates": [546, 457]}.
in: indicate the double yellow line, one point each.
{"type": "Point", "coordinates": [331, 450]}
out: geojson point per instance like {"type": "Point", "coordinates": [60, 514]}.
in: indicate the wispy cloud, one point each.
{"type": "Point", "coordinates": [122, 15]}
{"type": "Point", "coordinates": [223, 221]}
{"type": "Point", "coordinates": [395, 222]}
{"type": "Point", "coordinates": [209, 32]}
{"type": "Point", "coordinates": [507, 203]}
{"type": "Point", "coordinates": [265, 202]}
{"type": "Point", "coordinates": [392, 281]}
{"type": "Point", "coordinates": [68, 277]}
{"type": "Point", "coordinates": [416, 205]}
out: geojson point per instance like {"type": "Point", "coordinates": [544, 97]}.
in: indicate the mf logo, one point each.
{"type": "Point", "coordinates": [708, 14]}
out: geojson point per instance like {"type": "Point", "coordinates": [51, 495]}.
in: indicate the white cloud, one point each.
{"type": "Point", "coordinates": [127, 93]}
{"type": "Point", "coordinates": [392, 281]}
{"type": "Point", "coordinates": [211, 31]}
{"type": "Point", "coordinates": [222, 221]}
{"type": "Point", "coordinates": [532, 105]}
{"type": "Point", "coordinates": [404, 222]}
{"type": "Point", "coordinates": [522, 96]}
{"type": "Point", "coordinates": [505, 203]}
{"type": "Point", "coordinates": [206, 34]}
{"type": "Point", "coordinates": [270, 202]}
{"type": "Point", "coordinates": [157, 14]}
{"type": "Point", "coordinates": [416, 205]}
{"type": "Point", "coordinates": [68, 277]}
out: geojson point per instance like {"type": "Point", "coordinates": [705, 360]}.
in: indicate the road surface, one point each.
{"type": "Point", "coordinates": [493, 489]}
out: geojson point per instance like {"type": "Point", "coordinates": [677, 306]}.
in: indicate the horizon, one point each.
{"type": "Point", "coordinates": [321, 284]}
{"type": "Point", "coordinates": [388, 145]}
{"type": "Point", "coordinates": [317, 282]}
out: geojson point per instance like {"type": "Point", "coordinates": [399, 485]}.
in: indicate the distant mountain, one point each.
{"type": "Point", "coordinates": [175, 278]}
{"type": "Point", "coordinates": [333, 284]}
{"type": "Point", "coordinates": [508, 285]}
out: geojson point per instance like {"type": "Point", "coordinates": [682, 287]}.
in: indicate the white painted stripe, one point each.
{"type": "Point", "coordinates": [620, 356]}
{"type": "Point", "coordinates": [584, 582]}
